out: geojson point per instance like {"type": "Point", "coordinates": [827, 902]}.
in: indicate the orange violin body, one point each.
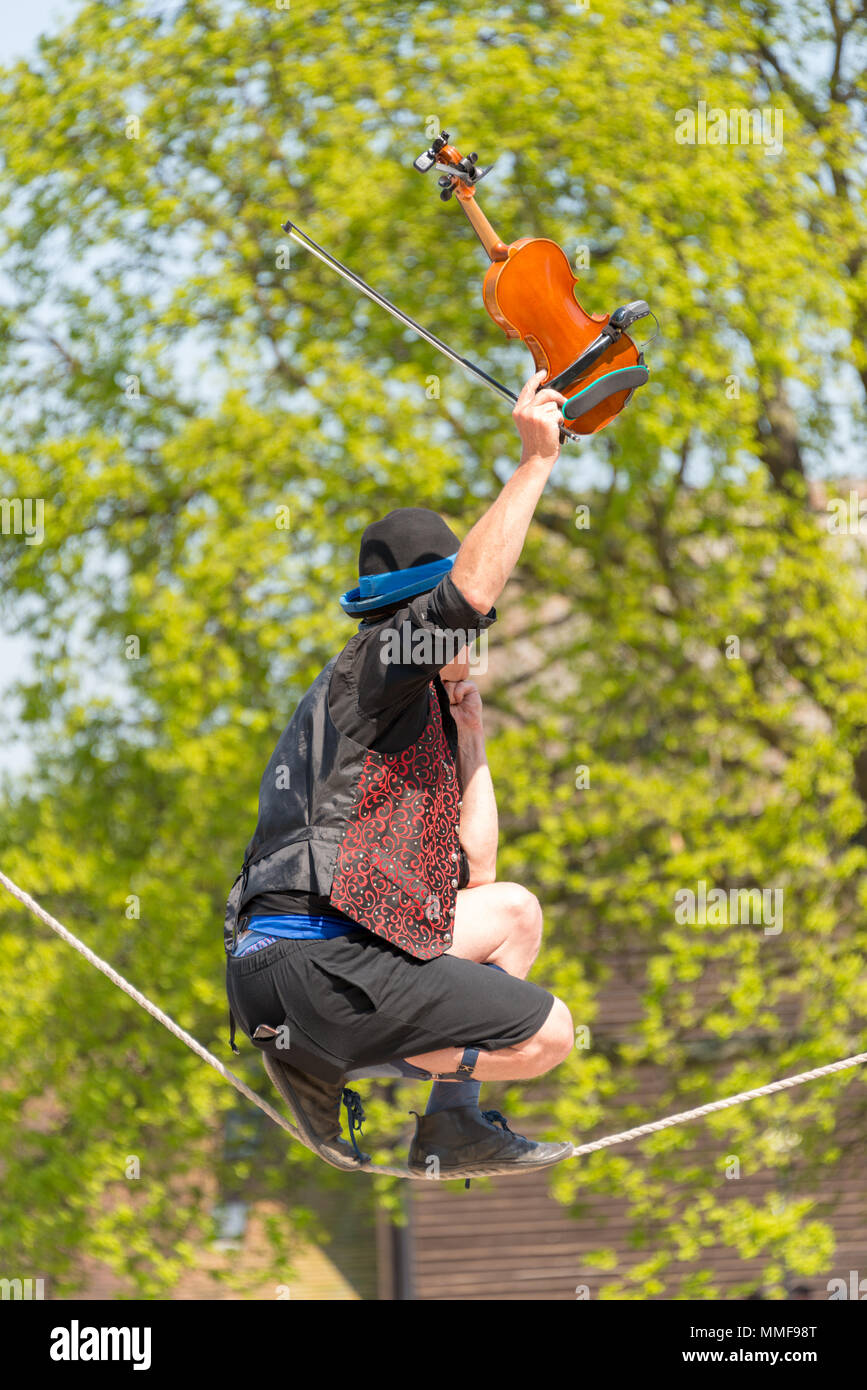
{"type": "Point", "coordinates": [532, 297]}
{"type": "Point", "coordinates": [530, 291]}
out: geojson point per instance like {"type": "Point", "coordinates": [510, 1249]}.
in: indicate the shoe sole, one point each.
{"type": "Point", "coordinates": [494, 1170]}
{"type": "Point", "coordinates": [303, 1132]}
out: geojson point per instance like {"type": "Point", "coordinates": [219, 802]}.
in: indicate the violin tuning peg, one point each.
{"type": "Point", "coordinates": [446, 194]}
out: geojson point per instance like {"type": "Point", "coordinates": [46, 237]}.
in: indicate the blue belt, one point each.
{"type": "Point", "coordinates": [263, 931]}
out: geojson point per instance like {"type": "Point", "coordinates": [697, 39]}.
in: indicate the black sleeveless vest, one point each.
{"type": "Point", "coordinates": [375, 832]}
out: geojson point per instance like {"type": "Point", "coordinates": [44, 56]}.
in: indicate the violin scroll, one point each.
{"type": "Point", "coordinates": [456, 169]}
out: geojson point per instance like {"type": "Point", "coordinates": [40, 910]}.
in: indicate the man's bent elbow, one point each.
{"type": "Point", "coordinates": [481, 597]}
{"type": "Point", "coordinates": [482, 880]}
{"type": "Point", "coordinates": [482, 874]}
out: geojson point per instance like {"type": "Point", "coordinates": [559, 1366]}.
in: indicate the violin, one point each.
{"type": "Point", "coordinates": [529, 290]}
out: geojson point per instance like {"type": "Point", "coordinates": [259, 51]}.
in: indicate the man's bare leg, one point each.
{"type": "Point", "coordinates": [545, 1050]}
{"type": "Point", "coordinates": [497, 923]}
{"type": "Point", "coordinates": [501, 923]}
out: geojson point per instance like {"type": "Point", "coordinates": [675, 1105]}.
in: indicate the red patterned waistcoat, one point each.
{"type": "Point", "coordinates": [397, 867]}
{"type": "Point", "coordinates": [375, 832]}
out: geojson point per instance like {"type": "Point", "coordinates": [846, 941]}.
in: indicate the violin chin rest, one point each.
{"type": "Point", "coordinates": [622, 379]}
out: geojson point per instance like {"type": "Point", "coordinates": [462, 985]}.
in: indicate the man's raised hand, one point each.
{"type": "Point", "coordinates": [466, 705]}
{"type": "Point", "coordinates": [538, 419]}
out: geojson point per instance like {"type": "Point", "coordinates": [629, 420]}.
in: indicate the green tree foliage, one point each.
{"type": "Point", "coordinates": [212, 418]}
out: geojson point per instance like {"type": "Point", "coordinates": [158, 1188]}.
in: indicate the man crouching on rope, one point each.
{"type": "Point", "coordinates": [367, 934]}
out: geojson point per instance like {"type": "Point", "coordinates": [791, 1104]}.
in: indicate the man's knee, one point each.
{"type": "Point", "coordinates": [525, 912]}
{"type": "Point", "coordinates": [558, 1032]}
{"type": "Point", "coordinates": [554, 1041]}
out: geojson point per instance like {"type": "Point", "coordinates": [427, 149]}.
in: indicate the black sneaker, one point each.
{"type": "Point", "coordinates": [467, 1143]}
{"type": "Point", "coordinates": [315, 1107]}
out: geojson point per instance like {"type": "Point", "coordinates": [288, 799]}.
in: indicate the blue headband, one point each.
{"type": "Point", "coordinates": [377, 590]}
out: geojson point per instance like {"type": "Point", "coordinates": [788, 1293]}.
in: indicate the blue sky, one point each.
{"type": "Point", "coordinates": [22, 25]}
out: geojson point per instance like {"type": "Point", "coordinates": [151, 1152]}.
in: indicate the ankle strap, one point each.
{"type": "Point", "coordinates": [465, 1070]}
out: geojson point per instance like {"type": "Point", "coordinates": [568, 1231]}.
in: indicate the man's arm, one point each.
{"type": "Point", "coordinates": [479, 830]}
{"type": "Point", "coordinates": [492, 548]}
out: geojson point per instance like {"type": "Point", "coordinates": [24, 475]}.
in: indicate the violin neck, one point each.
{"type": "Point", "coordinates": [497, 250]}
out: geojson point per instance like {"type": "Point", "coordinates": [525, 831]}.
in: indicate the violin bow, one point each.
{"type": "Point", "coordinates": [310, 245]}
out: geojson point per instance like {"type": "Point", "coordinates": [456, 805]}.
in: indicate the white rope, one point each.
{"type": "Point", "coordinates": [701, 1110]}
{"type": "Point", "coordinates": [625, 1137]}
{"type": "Point", "coordinates": [133, 993]}
{"type": "Point", "coordinates": [169, 1023]}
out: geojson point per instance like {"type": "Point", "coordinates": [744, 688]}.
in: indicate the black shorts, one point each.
{"type": "Point", "coordinates": [358, 1001]}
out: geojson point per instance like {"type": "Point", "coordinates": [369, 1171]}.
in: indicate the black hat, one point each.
{"type": "Point", "coordinates": [404, 554]}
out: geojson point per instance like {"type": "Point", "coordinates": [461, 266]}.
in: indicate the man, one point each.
{"type": "Point", "coordinates": [374, 936]}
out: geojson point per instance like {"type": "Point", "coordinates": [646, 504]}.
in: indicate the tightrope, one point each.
{"type": "Point", "coordinates": [626, 1136]}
